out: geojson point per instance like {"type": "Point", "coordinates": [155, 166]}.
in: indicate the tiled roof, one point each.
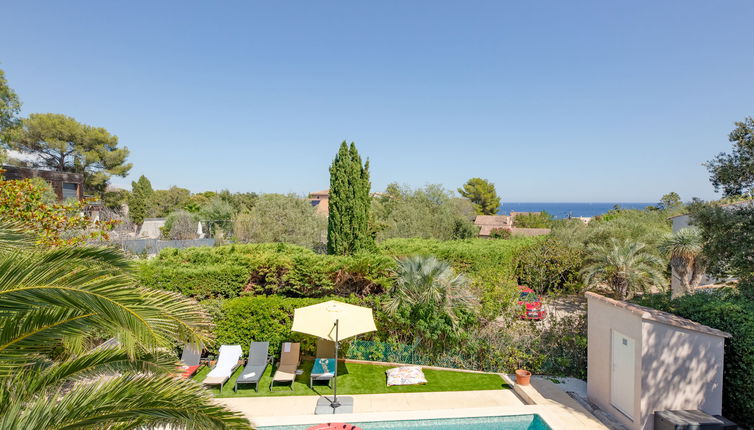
{"type": "Point", "coordinates": [659, 316]}
{"type": "Point", "coordinates": [493, 220]}
{"type": "Point", "coordinates": [517, 231]}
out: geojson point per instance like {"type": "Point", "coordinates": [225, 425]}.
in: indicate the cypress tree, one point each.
{"type": "Point", "coordinates": [140, 200]}
{"type": "Point", "coordinates": [349, 203]}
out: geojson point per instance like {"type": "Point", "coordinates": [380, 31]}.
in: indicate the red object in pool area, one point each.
{"type": "Point", "coordinates": [334, 426]}
{"type": "Point", "coordinates": [531, 306]}
{"type": "Point", "coordinates": [186, 372]}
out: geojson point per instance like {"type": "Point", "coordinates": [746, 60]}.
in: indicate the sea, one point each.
{"type": "Point", "coordinates": [564, 210]}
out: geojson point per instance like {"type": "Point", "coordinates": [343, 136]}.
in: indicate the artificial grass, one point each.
{"type": "Point", "coordinates": [358, 378]}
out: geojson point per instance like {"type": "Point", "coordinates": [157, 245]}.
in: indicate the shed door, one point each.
{"type": "Point", "coordinates": [622, 373]}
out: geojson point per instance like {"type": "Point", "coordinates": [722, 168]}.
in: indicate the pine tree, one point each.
{"type": "Point", "coordinates": [140, 201]}
{"type": "Point", "coordinates": [482, 194]}
{"type": "Point", "coordinates": [349, 203]}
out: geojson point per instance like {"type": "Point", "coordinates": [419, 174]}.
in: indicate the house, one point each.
{"type": "Point", "coordinates": [488, 223]}
{"type": "Point", "coordinates": [320, 200]}
{"type": "Point", "coordinates": [66, 185]}
{"type": "Point", "coordinates": [641, 360]}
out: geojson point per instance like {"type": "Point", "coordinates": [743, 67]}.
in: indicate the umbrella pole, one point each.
{"type": "Point", "coordinates": [335, 403]}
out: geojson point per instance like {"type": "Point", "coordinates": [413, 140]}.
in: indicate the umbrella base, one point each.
{"type": "Point", "coordinates": [324, 405]}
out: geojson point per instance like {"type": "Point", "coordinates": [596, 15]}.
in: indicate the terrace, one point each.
{"type": "Point", "coordinates": [448, 394]}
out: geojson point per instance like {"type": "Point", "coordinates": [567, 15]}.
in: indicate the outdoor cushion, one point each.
{"type": "Point", "coordinates": [323, 368]}
{"type": "Point", "coordinates": [187, 371]}
{"type": "Point", "coordinates": [227, 361]}
{"type": "Point", "coordinates": [284, 373]}
{"type": "Point", "coordinates": [252, 373]}
{"type": "Point", "coordinates": [407, 375]}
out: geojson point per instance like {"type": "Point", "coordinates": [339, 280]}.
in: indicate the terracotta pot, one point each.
{"type": "Point", "coordinates": [523, 377]}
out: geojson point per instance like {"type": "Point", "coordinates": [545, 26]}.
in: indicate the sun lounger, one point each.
{"type": "Point", "coordinates": [227, 362]}
{"type": "Point", "coordinates": [255, 365]}
{"type": "Point", "coordinates": [289, 359]}
{"type": "Point", "coordinates": [190, 361]}
{"type": "Point", "coordinates": [325, 362]}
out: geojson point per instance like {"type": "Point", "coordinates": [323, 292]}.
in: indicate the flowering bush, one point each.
{"type": "Point", "coordinates": [23, 202]}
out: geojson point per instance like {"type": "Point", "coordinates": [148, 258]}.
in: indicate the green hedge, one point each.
{"type": "Point", "coordinates": [263, 318]}
{"type": "Point", "coordinates": [490, 263]}
{"type": "Point", "coordinates": [728, 311]}
{"type": "Point", "coordinates": [294, 271]}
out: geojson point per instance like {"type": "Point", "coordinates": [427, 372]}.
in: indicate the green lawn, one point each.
{"type": "Point", "coordinates": [356, 378]}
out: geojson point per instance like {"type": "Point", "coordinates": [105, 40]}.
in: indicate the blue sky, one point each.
{"type": "Point", "coordinates": [552, 101]}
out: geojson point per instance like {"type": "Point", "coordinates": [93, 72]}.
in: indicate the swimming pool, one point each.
{"type": "Point", "coordinates": [514, 422]}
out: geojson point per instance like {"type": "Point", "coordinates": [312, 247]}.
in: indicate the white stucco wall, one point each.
{"type": "Point", "coordinates": [682, 369]}
{"type": "Point", "coordinates": [675, 368]}
{"type": "Point", "coordinates": [602, 318]}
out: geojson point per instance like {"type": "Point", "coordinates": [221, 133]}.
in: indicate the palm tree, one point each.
{"type": "Point", "coordinates": [427, 288]}
{"type": "Point", "coordinates": [624, 266]}
{"type": "Point", "coordinates": [53, 299]}
{"type": "Point", "coordinates": [684, 248]}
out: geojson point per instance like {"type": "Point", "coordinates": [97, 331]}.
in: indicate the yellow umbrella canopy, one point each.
{"type": "Point", "coordinates": [319, 320]}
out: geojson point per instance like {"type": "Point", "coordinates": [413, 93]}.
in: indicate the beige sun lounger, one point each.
{"type": "Point", "coordinates": [227, 362]}
{"type": "Point", "coordinates": [289, 360]}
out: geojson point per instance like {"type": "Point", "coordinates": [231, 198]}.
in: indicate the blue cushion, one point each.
{"type": "Point", "coordinates": [323, 365]}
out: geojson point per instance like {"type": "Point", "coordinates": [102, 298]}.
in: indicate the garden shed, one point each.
{"type": "Point", "coordinates": [641, 360]}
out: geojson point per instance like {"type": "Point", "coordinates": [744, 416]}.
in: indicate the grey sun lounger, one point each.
{"type": "Point", "coordinates": [255, 365]}
{"type": "Point", "coordinates": [323, 368]}
{"type": "Point", "coordinates": [288, 364]}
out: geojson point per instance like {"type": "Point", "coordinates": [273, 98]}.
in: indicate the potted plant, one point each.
{"type": "Point", "coordinates": [523, 356]}
{"type": "Point", "coordinates": [523, 377]}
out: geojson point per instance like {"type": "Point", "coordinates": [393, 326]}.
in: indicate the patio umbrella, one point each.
{"type": "Point", "coordinates": [334, 321]}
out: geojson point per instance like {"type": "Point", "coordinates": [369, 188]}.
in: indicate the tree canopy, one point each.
{"type": "Point", "coordinates": [428, 212]}
{"type": "Point", "coordinates": [670, 201]}
{"type": "Point", "coordinates": [349, 203]}
{"type": "Point", "coordinates": [482, 194]}
{"type": "Point", "coordinates": [734, 172]}
{"type": "Point", "coordinates": [281, 218]}
{"type": "Point", "coordinates": [10, 105]}
{"type": "Point", "coordinates": [140, 200]}
{"type": "Point", "coordinates": [533, 220]}
{"type": "Point", "coordinates": [728, 241]}
{"type": "Point", "coordinates": [61, 143]}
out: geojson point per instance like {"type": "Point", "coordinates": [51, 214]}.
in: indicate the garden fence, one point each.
{"type": "Point", "coordinates": [408, 354]}
{"type": "Point", "coordinates": [154, 246]}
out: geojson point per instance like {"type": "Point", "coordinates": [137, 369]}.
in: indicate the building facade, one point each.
{"type": "Point", "coordinates": [641, 360]}
{"type": "Point", "coordinates": [66, 185]}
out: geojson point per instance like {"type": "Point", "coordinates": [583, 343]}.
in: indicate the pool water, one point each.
{"type": "Point", "coordinates": [515, 422]}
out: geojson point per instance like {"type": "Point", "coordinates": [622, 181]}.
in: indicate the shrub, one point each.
{"type": "Point", "coordinates": [430, 300]}
{"type": "Point", "coordinates": [200, 282]}
{"type": "Point", "coordinates": [533, 220]}
{"type": "Point", "coordinates": [181, 225]}
{"type": "Point", "coordinates": [500, 233]}
{"type": "Point", "coordinates": [728, 242]}
{"type": "Point", "coordinates": [429, 212]}
{"type": "Point", "coordinates": [550, 266]}
{"type": "Point", "coordinates": [731, 312]}
{"type": "Point", "coordinates": [227, 271]}
{"type": "Point", "coordinates": [262, 318]}
{"type": "Point", "coordinates": [281, 218]}
{"type": "Point", "coordinates": [294, 271]}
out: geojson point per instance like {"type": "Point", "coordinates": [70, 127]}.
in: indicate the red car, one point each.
{"type": "Point", "coordinates": [531, 306]}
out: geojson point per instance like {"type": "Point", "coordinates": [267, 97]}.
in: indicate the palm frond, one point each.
{"type": "Point", "coordinates": [126, 402]}
{"type": "Point", "coordinates": [13, 237]}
